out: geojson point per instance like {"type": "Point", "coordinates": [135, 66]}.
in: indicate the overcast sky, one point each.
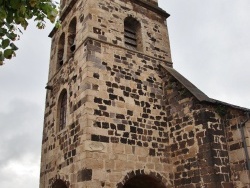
{"type": "Point", "coordinates": [210, 43]}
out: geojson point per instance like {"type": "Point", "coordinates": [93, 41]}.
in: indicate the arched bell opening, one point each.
{"type": "Point", "coordinates": [72, 37]}
{"type": "Point", "coordinates": [132, 34]}
{"type": "Point", "coordinates": [60, 53]}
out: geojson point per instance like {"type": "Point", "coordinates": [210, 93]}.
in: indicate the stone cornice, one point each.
{"type": "Point", "coordinates": [151, 7]}
{"type": "Point", "coordinates": [165, 63]}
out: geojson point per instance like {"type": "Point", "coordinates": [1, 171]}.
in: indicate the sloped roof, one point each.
{"type": "Point", "coordinates": [202, 97]}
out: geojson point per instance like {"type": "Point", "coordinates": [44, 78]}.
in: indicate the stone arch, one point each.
{"type": "Point", "coordinates": [140, 179]}
{"type": "Point", "coordinates": [59, 184]}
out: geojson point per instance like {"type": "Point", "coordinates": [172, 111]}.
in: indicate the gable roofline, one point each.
{"type": "Point", "coordinates": [197, 93]}
{"type": "Point", "coordinates": [188, 85]}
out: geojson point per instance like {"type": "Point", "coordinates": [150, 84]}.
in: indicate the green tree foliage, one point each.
{"type": "Point", "coordinates": [14, 16]}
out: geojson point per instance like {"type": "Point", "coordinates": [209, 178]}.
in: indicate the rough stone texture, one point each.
{"type": "Point", "coordinates": [129, 117]}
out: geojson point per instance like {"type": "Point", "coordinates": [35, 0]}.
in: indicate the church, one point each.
{"type": "Point", "coordinates": [118, 115]}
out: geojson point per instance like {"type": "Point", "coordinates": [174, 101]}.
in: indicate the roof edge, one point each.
{"type": "Point", "coordinates": [231, 105]}
{"type": "Point", "coordinates": [188, 85]}
{"type": "Point", "coordinates": [202, 97]}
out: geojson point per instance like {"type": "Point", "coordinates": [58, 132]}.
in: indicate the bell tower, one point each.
{"type": "Point", "coordinates": [105, 120]}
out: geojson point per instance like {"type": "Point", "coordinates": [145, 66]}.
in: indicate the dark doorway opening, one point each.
{"type": "Point", "coordinates": [143, 181]}
{"type": "Point", "coordinates": [59, 184]}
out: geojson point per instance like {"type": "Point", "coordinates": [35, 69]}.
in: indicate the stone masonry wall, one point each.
{"type": "Point", "coordinates": [104, 20]}
{"type": "Point", "coordinates": [197, 139]}
{"type": "Point", "coordinates": [115, 119]}
{"type": "Point", "coordinates": [126, 116]}
{"type": "Point", "coordinates": [110, 27]}
{"type": "Point", "coordinates": [60, 150]}
{"type": "Point", "coordinates": [239, 172]}
{"type": "Point", "coordinates": [80, 11]}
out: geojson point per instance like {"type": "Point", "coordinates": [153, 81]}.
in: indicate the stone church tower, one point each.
{"type": "Point", "coordinates": [118, 115]}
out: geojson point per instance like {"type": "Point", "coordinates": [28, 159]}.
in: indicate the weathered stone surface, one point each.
{"type": "Point", "coordinates": [84, 175]}
{"type": "Point", "coordinates": [126, 115]}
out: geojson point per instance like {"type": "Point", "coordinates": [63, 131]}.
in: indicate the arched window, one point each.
{"type": "Point", "coordinates": [71, 37]}
{"type": "Point", "coordinates": [60, 52]}
{"type": "Point", "coordinates": [132, 34]}
{"type": "Point", "coordinates": [62, 110]}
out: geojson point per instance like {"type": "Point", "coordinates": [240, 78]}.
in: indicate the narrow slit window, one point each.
{"type": "Point", "coordinates": [60, 53]}
{"type": "Point", "coordinates": [62, 110]}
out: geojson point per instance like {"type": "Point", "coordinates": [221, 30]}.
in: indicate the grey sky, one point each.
{"type": "Point", "coordinates": [210, 45]}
